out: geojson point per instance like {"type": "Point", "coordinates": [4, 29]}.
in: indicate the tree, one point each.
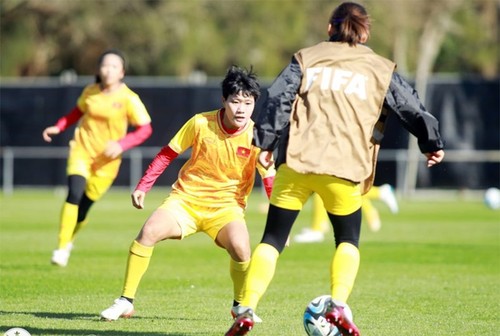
{"type": "Point", "coordinates": [177, 37]}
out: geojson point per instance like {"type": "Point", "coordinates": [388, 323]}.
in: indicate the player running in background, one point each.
{"type": "Point", "coordinates": [210, 194]}
{"type": "Point", "coordinates": [326, 112]}
{"type": "Point", "coordinates": [104, 110]}
{"type": "Point", "coordinates": [320, 221]}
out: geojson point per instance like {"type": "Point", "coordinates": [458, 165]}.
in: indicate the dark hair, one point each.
{"type": "Point", "coordinates": [112, 52]}
{"type": "Point", "coordinates": [238, 79]}
{"type": "Point", "coordinates": [350, 23]}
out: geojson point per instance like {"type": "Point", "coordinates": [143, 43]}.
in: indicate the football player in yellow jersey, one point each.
{"type": "Point", "coordinates": [104, 111]}
{"type": "Point", "coordinates": [211, 191]}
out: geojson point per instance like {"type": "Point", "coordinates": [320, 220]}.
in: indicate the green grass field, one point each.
{"type": "Point", "coordinates": [433, 269]}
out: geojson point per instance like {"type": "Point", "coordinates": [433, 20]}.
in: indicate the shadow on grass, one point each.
{"type": "Point", "coordinates": [64, 316]}
{"type": "Point", "coordinates": [88, 332]}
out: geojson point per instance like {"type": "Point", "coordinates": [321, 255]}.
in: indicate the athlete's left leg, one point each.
{"type": "Point", "coordinates": [95, 189]}
{"type": "Point", "coordinates": [234, 238]}
{"type": "Point", "coordinates": [265, 256]}
{"type": "Point", "coordinates": [69, 211]}
{"type": "Point", "coordinates": [344, 268]}
{"type": "Point", "coordinates": [285, 196]}
{"type": "Point", "coordinates": [343, 201]}
{"type": "Point", "coordinates": [83, 210]}
{"type": "Point", "coordinates": [261, 270]}
{"type": "Point", "coordinates": [345, 262]}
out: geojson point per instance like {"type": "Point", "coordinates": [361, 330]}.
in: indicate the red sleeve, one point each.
{"type": "Point", "coordinates": [268, 185]}
{"type": "Point", "coordinates": [156, 168]}
{"type": "Point", "coordinates": [136, 137]}
{"type": "Point", "coordinates": [69, 119]}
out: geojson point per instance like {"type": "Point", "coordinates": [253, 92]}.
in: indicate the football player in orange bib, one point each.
{"type": "Point", "coordinates": [104, 111]}
{"type": "Point", "coordinates": [210, 194]}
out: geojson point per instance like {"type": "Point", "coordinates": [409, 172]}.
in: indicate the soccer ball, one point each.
{"type": "Point", "coordinates": [315, 322]}
{"type": "Point", "coordinates": [492, 198]}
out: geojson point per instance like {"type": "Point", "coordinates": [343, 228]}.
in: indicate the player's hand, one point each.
{"type": "Point", "coordinates": [113, 150]}
{"type": "Point", "coordinates": [434, 157]}
{"type": "Point", "coordinates": [138, 199]}
{"type": "Point", "coordinates": [51, 130]}
{"type": "Point", "coordinates": [266, 159]}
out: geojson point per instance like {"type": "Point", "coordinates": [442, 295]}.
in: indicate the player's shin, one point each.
{"type": "Point", "coordinates": [67, 224]}
{"type": "Point", "coordinates": [137, 265]}
{"type": "Point", "coordinates": [260, 274]}
{"type": "Point", "coordinates": [344, 269]}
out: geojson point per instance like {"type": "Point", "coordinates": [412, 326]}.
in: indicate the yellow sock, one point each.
{"type": "Point", "coordinates": [370, 214]}
{"type": "Point", "coordinates": [79, 226]}
{"type": "Point", "coordinates": [373, 193]}
{"type": "Point", "coordinates": [344, 269]}
{"type": "Point", "coordinates": [320, 218]}
{"type": "Point", "coordinates": [260, 274]}
{"type": "Point", "coordinates": [238, 272]}
{"type": "Point", "coordinates": [69, 215]}
{"type": "Point", "coordinates": [137, 264]}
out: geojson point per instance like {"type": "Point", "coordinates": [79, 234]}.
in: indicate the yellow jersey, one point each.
{"type": "Point", "coordinates": [221, 169]}
{"type": "Point", "coordinates": [106, 116]}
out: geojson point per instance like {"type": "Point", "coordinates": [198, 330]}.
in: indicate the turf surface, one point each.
{"type": "Point", "coordinates": [433, 269]}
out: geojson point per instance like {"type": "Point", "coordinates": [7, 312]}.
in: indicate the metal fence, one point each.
{"type": "Point", "coordinates": [138, 156]}
{"type": "Point", "coordinates": [468, 110]}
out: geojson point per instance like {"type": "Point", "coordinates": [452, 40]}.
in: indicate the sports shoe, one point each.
{"type": "Point", "coordinates": [337, 317]}
{"type": "Point", "coordinates": [243, 322]}
{"type": "Point", "coordinates": [121, 308]}
{"type": "Point", "coordinates": [235, 311]}
{"type": "Point", "coordinates": [388, 197]}
{"type": "Point", "coordinates": [60, 257]}
{"type": "Point", "coordinates": [309, 236]}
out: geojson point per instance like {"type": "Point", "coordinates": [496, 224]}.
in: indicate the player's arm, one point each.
{"type": "Point", "coordinates": [156, 167]}
{"type": "Point", "coordinates": [140, 134]}
{"type": "Point", "coordinates": [403, 100]}
{"type": "Point", "coordinates": [132, 139]}
{"type": "Point", "coordinates": [177, 145]}
{"type": "Point", "coordinates": [267, 173]}
{"type": "Point", "coordinates": [138, 116]}
{"type": "Point", "coordinates": [62, 124]}
{"type": "Point", "coordinates": [275, 116]}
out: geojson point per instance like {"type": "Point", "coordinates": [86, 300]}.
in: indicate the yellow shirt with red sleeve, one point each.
{"type": "Point", "coordinates": [106, 116]}
{"type": "Point", "coordinates": [221, 168]}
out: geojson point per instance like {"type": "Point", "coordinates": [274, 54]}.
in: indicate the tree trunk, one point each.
{"type": "Point", "coordinates": [435, 30]}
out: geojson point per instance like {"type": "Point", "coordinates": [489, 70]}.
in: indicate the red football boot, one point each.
{"type": "Point", "coordinates": [336, 316]}
{"type": "Point", "coordinates": [242, 324]}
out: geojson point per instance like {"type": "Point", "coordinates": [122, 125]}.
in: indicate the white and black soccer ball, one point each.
{"type": "Point", "coordinates": [492, 198]}
{"type": "Point", "coordinates": [314, 319]}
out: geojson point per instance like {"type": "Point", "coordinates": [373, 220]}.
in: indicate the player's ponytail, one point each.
{"type": "Point", "coordinates": [350, 23]}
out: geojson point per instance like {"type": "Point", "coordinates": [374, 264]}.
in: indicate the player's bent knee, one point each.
{"type": "Point", "coordinates": [239, 252]}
